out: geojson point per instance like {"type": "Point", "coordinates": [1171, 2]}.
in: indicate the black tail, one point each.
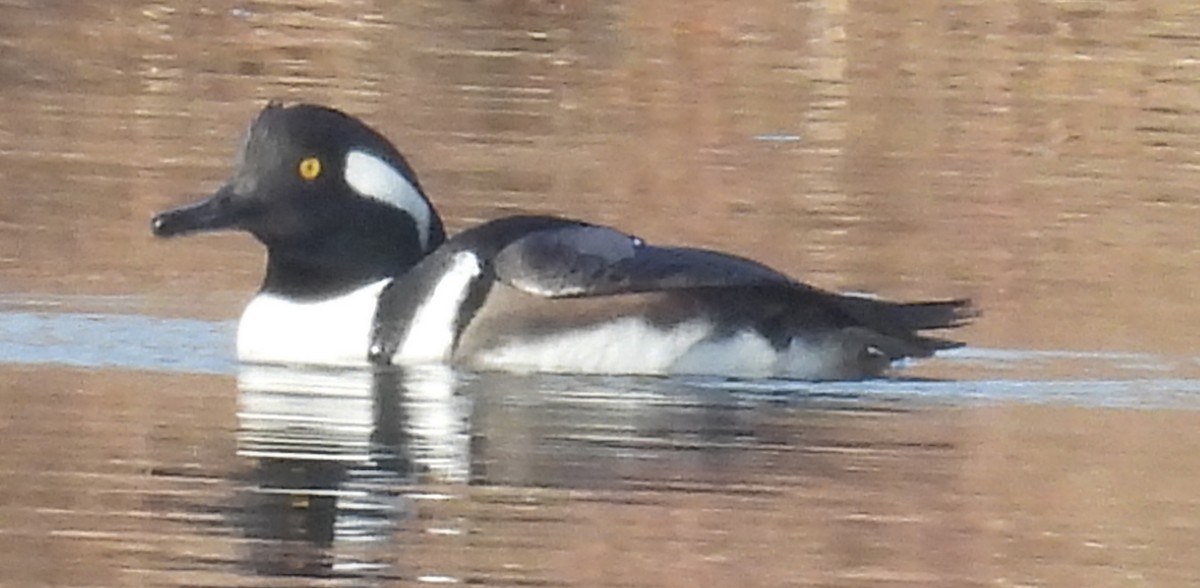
{"type": "Point", "coordinates": [903, 320]}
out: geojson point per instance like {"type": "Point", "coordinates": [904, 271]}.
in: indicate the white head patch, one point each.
{"type": "Point", "coordinates": [376, 179]}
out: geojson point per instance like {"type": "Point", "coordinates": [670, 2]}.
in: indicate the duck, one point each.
{"type": "Point", "coordinates": [360, 271]}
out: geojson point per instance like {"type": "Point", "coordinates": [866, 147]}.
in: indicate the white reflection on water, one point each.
{"type": "Point", "coordinates": [334, 453]}
{"type": "Point", "coordinates": [329, 464]}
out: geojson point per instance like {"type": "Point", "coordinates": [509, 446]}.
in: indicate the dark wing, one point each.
{"type": "Point", "coordinates": [584, 260]}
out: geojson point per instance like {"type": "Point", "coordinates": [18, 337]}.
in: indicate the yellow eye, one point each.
{"type": "Point", "coordinates": [310, 168]}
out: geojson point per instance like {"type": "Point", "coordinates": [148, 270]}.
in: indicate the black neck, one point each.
{"type": "Point", "coordinates": [334, 262]}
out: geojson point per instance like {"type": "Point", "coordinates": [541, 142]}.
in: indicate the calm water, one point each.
{"type": "Point", "coordinates": [1040, 157]}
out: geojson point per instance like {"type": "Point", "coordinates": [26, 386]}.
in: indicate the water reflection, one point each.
{"type": "Point", "coordinates": [333, 451]}
{"type": "Point", "coordinates": [371, 478]}
{"type": "Point", "coordinates": [435, 475]}
{"type": "Point", "coordinates": [344, 460]}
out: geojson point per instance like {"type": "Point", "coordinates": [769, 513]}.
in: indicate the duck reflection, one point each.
{"type": "Point", "coordinates": [339, 455]}
{"type": "Point", "coordinates": [343, 458]}
{"type": "Point", "coordinates": [333, 450]}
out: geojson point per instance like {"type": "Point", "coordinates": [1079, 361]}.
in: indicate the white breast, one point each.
{"type": "Point", "coordinates": [336, 331]}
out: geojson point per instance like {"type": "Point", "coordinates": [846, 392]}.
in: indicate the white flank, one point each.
{"type": "Point", "coordinates": [631, 346]}
{"type": "Point", "coordinates": [337, 331]}
{"type": "Point", "coordinates": [744, 353]}
{"type": "Point", "coordinates": [430, 336]}
{"type": "Point", "coordinates": [625, 346]}
{"type": "Point", "coordinates": [822, 359]}
{"type": "Point", "coordinates": [748, 354]}
{"type": "Point", "coordinates": [375, 178]}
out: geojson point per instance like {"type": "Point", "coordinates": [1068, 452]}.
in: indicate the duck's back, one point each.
{"type": "Point", "coordinates": [541, 294]}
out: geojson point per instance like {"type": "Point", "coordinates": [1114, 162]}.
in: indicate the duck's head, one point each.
{"type": "Point", "coordinates": [332, 199]}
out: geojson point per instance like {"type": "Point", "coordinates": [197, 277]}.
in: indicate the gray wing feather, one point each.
{"type": "Point", "coordinates": [595, 261]}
